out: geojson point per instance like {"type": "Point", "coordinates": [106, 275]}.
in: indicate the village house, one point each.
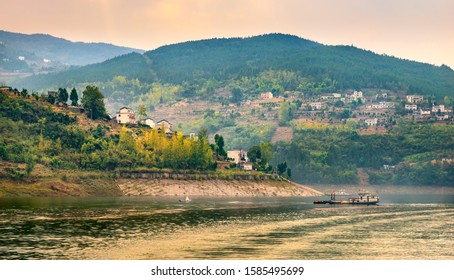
{"type": "Point", "coordinates": [167, 126]}
{"type": "Point", "coordinates": [331, 96]}
{"type": "Point", "coordinates": [371, 122]}
{"type": "Point", "coordinates": [148, 122]}
{"type": "Point", "coordinates": [382, 105]}
{"type": "Point", "coordinates": [424, 112]}
{"type": "Point", "coordinates": [245, 166]}
{"type": "Point", "coordinates": [389, 167]}
{"type": "Point", "coordinates": [383, 95]}
{"type": "Point", "coordinates": [5, 88]}
{"type": "Point", "coordinates": [126, 116]}
{"type": "Point", "coordinates": [440, 108]}
{"type": "Point", "coordinates": [315, 105]}
{"type": "Point", "coordinates": [414, 98]}
{"type": "Point", "coordinates": [266, 95]}
{"type": "Point", "coordinates": [356, 95]}
{"type": "Point", "coordinates": [237, 155]}
{"type": "Point", "coordinates": [246, 103]}
{"type": "Point", "coordinates": [442, 117]}
{"type": "Point", "coordinates": [411, 107]}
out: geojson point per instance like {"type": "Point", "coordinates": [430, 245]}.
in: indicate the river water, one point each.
{"type": "Point", "coordinates": [401, 227]}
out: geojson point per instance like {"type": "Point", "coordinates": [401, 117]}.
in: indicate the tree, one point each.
{"type": "Point", "coordinates": [254, 154]}
{"type": "Point", "coordinates": [289, 172]}
{"type": "Point", "coordinates": [447, 102]}
{"type": "Point", "coordinates": [93, 102]}
{"type": "Point", "coordinates": [266, 153]}
{"type": "Point", "coordinates": [339, 104]}
{"type": "Point", "coordinates": [62, 95]}
{"type": "Point", "coordinates": [287, 112]}
{"type": "Point", "coordinates": [29, 163]}
{"type": "Point", "coordinates": [219, 140]}
{"type": "Point", "coordinates": [237, 96]}
{"type": "Point", "coordinates": [281, 168]}
{"type": "Point", "coordinates": [203, 134]}
{"type": "Point", "coordinates": [24, 92]}
{"type": "Point", "coordinates": [74, 97]}
{"type": "Point", "coordinates": [51, 99]}
{"type": "Point", "coordinates": [142, 111]}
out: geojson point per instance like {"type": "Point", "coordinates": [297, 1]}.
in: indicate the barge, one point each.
{"type": "Point", "coordinates": [362, 198]}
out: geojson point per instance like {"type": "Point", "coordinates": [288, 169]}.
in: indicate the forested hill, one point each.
{"type": "Point", "coordinates": [37, 47]}
{"type": "Point", "coordinates": [230, 59]}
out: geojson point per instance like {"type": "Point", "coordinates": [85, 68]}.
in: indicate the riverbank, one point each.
{"type": "Point", "coordinates": [213, 188]}
{"type": "Point", "coordinates": [85, 187]}
{"type": "Point", "coordinates": [44, 182]}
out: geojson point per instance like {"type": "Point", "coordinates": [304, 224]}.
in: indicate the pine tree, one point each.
{"type": "Point", "coordinates": [74, 97]}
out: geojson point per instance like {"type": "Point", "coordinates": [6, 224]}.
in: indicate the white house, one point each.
{"type": "Point", "coordinates": [411, 107]}
{"type": "Point", "coordinates": [330, 96]}
{"type": "Point", "coordinates": [126, 116]}
{"type": "Point", "coordinates": [167, 126]}
{"type": "Point", "coordinates": [246, 166]}
{"type": "Point", "coordinates": [424, 112]}
{"type": "Point", "coordinates": [371, 122]}
{"type": "Point", "coordinates": [148, 122]}
{"type": "Point", "coordinates": [440, 108]}
{"type": "Point", "coordinates": [315, 105]}
{"type": "Point", "coordinates": [266, 95]}
{"type": "Point", "coordinates": [356, 94]}
{"type": "Point", "coordinates": [236, 155]}
{"type": "Point", "coordinates": [415, 98]}
{"type": "Point", "coordinates": [382, 105]}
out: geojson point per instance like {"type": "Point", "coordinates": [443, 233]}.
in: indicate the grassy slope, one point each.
{"type": "Point", "coordinates": [45, 182]}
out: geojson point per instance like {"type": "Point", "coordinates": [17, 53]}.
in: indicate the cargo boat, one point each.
{"type": "Point", "coordinates": [362, 198]}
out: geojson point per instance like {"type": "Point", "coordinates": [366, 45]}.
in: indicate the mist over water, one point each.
{"type": "Point", "coordinates": [401, 227]}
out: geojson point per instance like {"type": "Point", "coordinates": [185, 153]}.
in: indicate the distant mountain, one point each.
{"type": "Point", "coordinates": [235, 58]}
{"type": "Point", "coordinates": [45, 53]}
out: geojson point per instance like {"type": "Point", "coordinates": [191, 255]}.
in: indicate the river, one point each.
{"type": "Point", "coordinates": [401, 227]}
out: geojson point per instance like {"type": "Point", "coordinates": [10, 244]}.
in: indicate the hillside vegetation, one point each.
{"type": "Point", "coordinates": [216, 63]}
{"type": "Point", "coordinates": [218, 84]}
{"type": "Point", "coordinates": [410, 154]}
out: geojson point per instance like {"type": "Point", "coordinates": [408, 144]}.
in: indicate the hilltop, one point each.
{"type": "Point", "coordinates": [23, 54]}
{"type": "Point", "coordinates": [216, 62]}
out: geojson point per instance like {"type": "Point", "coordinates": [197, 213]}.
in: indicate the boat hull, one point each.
{"type": "Point", "coordinates": [354, 202]}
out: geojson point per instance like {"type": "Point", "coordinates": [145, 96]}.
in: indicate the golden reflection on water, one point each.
{"type": "Point", "coordinates": [318, 233]}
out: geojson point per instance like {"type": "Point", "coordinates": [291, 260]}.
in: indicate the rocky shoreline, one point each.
{"type": "Point", "coordinates": [213, 188]}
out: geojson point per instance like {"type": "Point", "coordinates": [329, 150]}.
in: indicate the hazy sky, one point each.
{"type": "Point", "coordinates": [421, 30]}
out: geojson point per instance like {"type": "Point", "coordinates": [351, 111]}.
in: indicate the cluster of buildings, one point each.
{"type": "Point", "coordinates": [127, 116]}
{"type": "Point", "coordinates": [439, 111]}
{"type": "Point", "coordinates": [346, 98]}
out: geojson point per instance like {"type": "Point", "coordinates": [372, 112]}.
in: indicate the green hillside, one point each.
{"type": "Point", "coordinates": [225, 60]}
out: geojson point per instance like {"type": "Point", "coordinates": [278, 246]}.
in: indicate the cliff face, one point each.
{"type": "Point", "coordinates": [214, 188]}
